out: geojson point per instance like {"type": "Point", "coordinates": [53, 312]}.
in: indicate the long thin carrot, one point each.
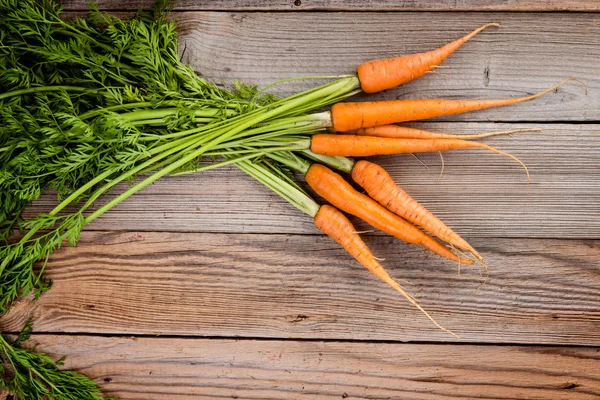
{"type": "Point", "coordinates": [335, 225]}
{"type": "Point", "coordinates": [381, 187]}
{"type": "Point", "coordinates": [333, 188]}
{"type": "Point", "coordinates": [405, 132]}
{"type": "Point", "coordinates": [352, 116]}
{"type": "Point", "coordinates": [363, 146]}
{"type": "Point", "coordinates": [384, 74]}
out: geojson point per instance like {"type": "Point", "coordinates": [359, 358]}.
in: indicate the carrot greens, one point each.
{"type": "Point", "coordinates": [89, 103]}
{"type": "Point", "coordinates": [32, 375]}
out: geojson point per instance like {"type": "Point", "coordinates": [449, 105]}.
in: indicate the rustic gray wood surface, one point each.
{"type": "Point", "coordinates": [169, 368]}
{"type": "Point", "coordinates": [528, 53]}
{"type": "Point", "coordinates": [303, 286]}
{"type": "Point", "coordinates": [348, 5]}
{"type": "Point", "coordinates": [207, 258]}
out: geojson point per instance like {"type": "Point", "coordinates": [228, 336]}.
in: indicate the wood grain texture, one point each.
{"type": "Point", "coordinates": [350, 5]}
{"type": "Point", "coordinates": [481, 194]}
{"type": "Point", "coordinates": [177, 369]}
{"type": "Point", "coordinates": [305, 286]}
{"type": "Point", "coordinates": [529, 53]}
{"type": "Point", "coordinates": [252, 279]}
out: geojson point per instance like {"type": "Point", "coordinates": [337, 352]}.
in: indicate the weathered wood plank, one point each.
{"type": "Point", "coordinates": [305, 286]}
{"type": "Point", "coordinates": [142, 368]}
{"type": "Point", "coordinates": [530, 52]}
{"type": "Point", "coordinates": [349, 5]}
{"type": "Point", "coordinates": [480, 194]}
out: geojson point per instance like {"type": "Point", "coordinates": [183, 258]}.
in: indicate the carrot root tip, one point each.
{"type": "Point", "coordinates": [419, 160]}
{"type": "Point", "coordinates": [412, 300]}
{"type": "Point", "coordinates": [508, 133]}
{"type": "Point", "coordinates": [578, 81]}
{"type": "Point", "coordinates": [555, 87]}
{"type": "Point", "coordinates": [442, 170]}
{"type": "Point", "coordinates": [503, 153]}
{"type": "Point", "coordinates": [435, 72]}
{"type": "Point", "coordinates": [481, 286]}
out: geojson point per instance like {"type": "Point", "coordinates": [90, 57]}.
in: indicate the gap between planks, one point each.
{"type": "Point", "coordinates": [12, 334]}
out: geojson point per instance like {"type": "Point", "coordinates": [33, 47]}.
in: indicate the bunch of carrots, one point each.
{"type": "Point", "coordinates": [166, 119]}
{"type": "Point", "coordinates": [366, 129]}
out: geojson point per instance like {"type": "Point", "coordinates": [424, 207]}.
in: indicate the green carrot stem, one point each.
{"type": "Point", "coordinates": [38, 89]}
{"type": "Point", "coordinates": [220, 136]}
{"type": "Point", "coordinates": [297, 78]}
{"type": "Point", "coordinates": [162, 122]}
{"type": "Point", "coordinates": [244, 150]}
{"type": "Point", "coordinates": [296, 197]}
{"type": "Point", "coordinates": [296, 163]}
{"type": "Point", "coordinates": [338, 87]}
{"type": "Point", "coordinates": [167, 112]}
{"type": "Point", "coordinates": [349, 85]}
{"type": "Point", "coordinates": [68, 201]}
{"type": "Point", "coordinates": [344, 164]}
{"type": "Point", "coordinates": [325, 102]}
{"type": "Point", "coordinates": [270, 139]}
{"type": "Point", "coordinates": [199, 169]}
{"type": "Point", "coordinates": [118, 107]}
{"type": "Point", "coordinates": [252, 153]}
{"type": "Point", "coordinates": [103, 189]}
{"type": "Point", "coordinates": [311, 122]}
{"type": "Point", "coordinates": [297, 125]}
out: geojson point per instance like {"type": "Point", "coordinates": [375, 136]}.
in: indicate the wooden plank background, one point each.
{"type": "Point", "coordinates": [160, 368]}
{"type": "Point", "coordinates": [303, 286]}
{"type": "Point", "coordinates": [255, 303]}
{"type": "Point", "coordinates": [349, 5]}
{"type": "Point", "coordinates": [481, 194]}
{"type": "Point", "coordinates": [528, 53]}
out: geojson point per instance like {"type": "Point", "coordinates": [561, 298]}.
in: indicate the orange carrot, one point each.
{"type": "Point", "coordinates": [384, 74]}
{"type": "Point", "coordinates": [352, 116]}
{"type": "Point", "coordinates": [363, 146]}
{"type": "Point", "coordinates": [335, 225]}
{"type": "Point", "coordinates": [405, 132]}
{"type": "Point", "coordinates": [381, 187]}
{"type": "Point", "coordinates": [333, 188]}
